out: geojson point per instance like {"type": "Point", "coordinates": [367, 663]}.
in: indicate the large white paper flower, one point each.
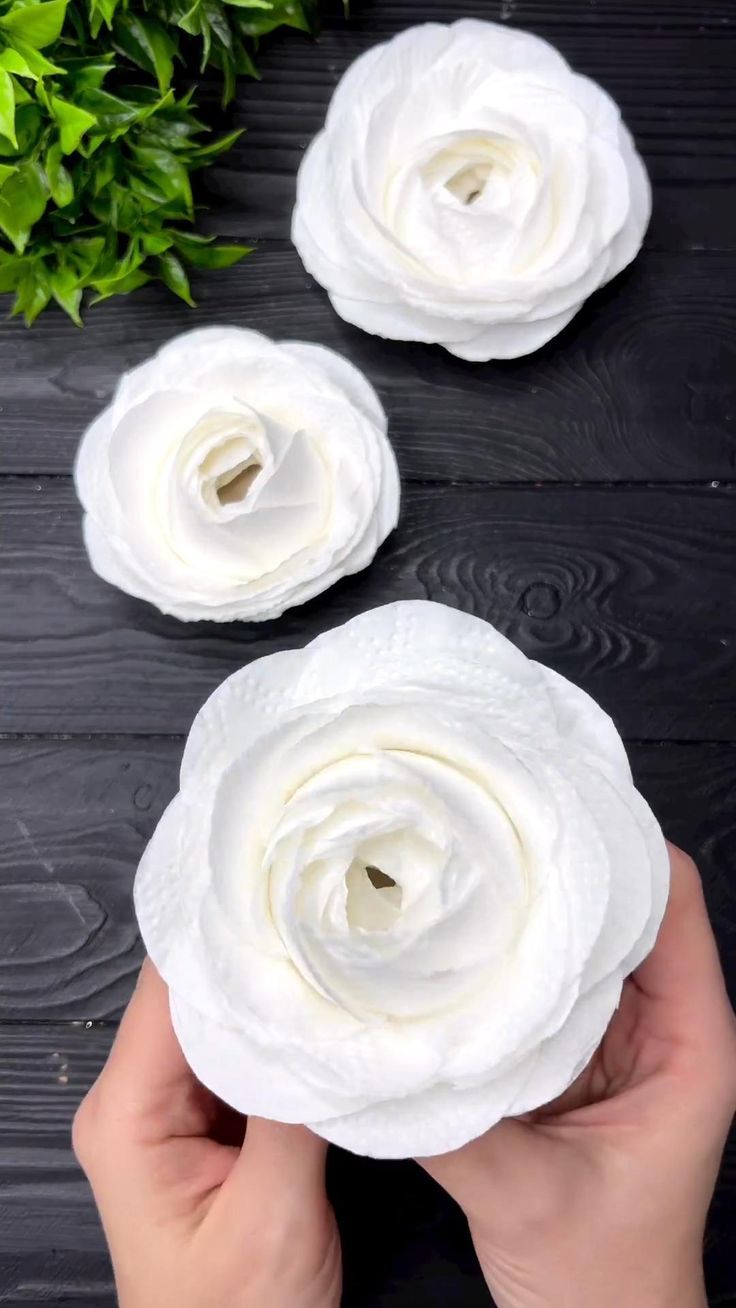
{"type": "Point", "coordinates": [401, 885]}
{"type": "Point", "coordinates": [232, 477]}
{"type": "Point", "coordinates": [468, 189]}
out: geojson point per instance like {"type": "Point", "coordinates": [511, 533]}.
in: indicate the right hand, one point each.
{"type": "Point", "coordinates": [599, 1200]}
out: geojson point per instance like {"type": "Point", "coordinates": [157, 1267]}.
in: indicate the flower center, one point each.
{"type": "Point", "coordinates": [378, 879]}
{"type": "Point", "coordinates": [469, 182]}
{"type": "Point", "coordinates": [374, 898]}
{"type": "Point", "coordinates": [233, 486]}
{"type": "Point", "coordinates": [227, 459]}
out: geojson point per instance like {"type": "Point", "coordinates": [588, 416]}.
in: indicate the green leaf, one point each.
{"type": "Point", "coordinates": [86, 74]}
{"type": "Point", "coordinates": [102, 11]}
{"type": "Point", "coordinates": [22, 96]}
{"type": "Point", "coordinates": [33, 293]}
{"type": "Point", "coordinates": [191, 21]}
{"type": "Point", "coordinates": [148, 44]}
{"type": "Point", "coordinates": [6, 171]}
{"type": "Point", "coordinates": [171, 133]}
{"type": "Point", "coordinates": [227, 64]}
{"type": "Point", "coordinates": [201, 253]}
{"type": "Point", "coordinates": [286, 13]}
{"type": "Point", "coordinates": [204, 153]}
{"type": "Point", "coordinates": [244, 64]}
{"type": "Point", "coordinates": [28, 127]}
{"type": "Point", "coordinates": [13, 62]}
{"type": "Point", "coordinates": [11, 270]}
{"type": "Point", "coordinates": [120, 285]}
{"type": "Point", "coordinates": [7, 107]}
{"type": "Point", "coordinates": [105, 169]}
{"type": "Point", "coordinates": [73, 123]}
{"type": "Point", "coordinates": [84, 255]}
{"type": "Point", "coordinates": [67, 292]}
{"type": "Point", "coordinates": [116, 116]}
{"type": "Point", "coordinates": [172, 274]}
{"type": "Point", "coordinates": [36, 63]}
{"type": "Point", "coordinates": [58, 178]}
{"type": "Point", "coordinates": [162, 170]}
{"type": "Point", "coordinates": [218, 21]}
{"type": "Point", "coordinates": [38, 24]}
{"type": "Point", "coordinates": [156, 242]}
{"type": "Point", "coordinates": [23, 201]}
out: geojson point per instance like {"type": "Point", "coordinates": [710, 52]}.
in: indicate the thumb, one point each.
{"type": "Point", "coordinates": [279, 1165]}
{"type": "Point", "coordinates": [486, 1172]}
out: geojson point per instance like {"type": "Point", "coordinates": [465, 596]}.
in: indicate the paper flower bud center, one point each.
{"type": "Point", "coordinates": [374, 899]}
{"type": "Point", "coordinates": [468, 167]}
{"type": "Point", "coordinates": [378, 879]}
{"type": "Point", "coordinates": [232, 487]}
{"type": "Point", "coordinates": [228, 452]}
{"type": "Point", "coordinates": [469, 182]}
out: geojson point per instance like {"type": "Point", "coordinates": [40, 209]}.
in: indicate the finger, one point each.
{"type": "Point", "coordinates": [683, 973]}
{"type": "Point", "coordinates": [282, 1166]}
{"type": "Point", "coordinates": [146, 1070]}
{"type": "Point", "coordinates": [486, 1171]}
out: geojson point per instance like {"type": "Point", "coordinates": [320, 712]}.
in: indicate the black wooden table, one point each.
{"type": "Point", "coordinates": [582, 499]}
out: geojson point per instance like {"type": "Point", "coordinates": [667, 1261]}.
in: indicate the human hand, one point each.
{"type": "Point", "coordinates": [600, 1199]}
{"type": "Point", "coordinates": [195, 1215]}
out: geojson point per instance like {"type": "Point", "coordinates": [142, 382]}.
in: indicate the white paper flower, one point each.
{"type": "Point", "coordinates": [468, 189]}
{"type": "Point", "coordinates": [232, 477]}
{"type": "Point", "coordinates": [401, 885]}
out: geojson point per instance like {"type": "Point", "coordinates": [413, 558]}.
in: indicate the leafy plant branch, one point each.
{"type": "Point", "coordinates": [97, 143]}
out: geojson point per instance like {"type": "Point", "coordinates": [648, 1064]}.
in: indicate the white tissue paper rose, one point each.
{"type": "Point", "coordinates": [401, 885]}
{"type": "Point", "coordinates": [469, 189]}
{"type": "Point", "coordinates": [233, 476]}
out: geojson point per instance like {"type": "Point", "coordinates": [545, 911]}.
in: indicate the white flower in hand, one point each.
{"type": "Point", "coordinates": [402, 883]}
{"type": "Point", "coordinates": [232, 477]}
{"type": "Point", "coordinates": [468, 189]}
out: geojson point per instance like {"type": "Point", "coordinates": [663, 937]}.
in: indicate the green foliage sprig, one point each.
{"type": "Point", "coordinates": [97, 145]}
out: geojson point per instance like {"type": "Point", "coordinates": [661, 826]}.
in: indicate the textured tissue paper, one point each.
{"type": "Point", "coordinates": [233, 476]}
{"type": "Point", "coordinates": [468, 189]}
{"type": "Point", "coordinates": [401, 885]}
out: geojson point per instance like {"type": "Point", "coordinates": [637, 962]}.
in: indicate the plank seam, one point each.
{"type": "Point", "coordinates": [433, 483]}
{"type": "Point", "coordinates": [88, 1024]}
{"type": "Point", "coordinates": [90, 737]}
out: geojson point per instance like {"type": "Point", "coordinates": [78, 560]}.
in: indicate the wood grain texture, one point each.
{"type": "Point", "coordinates": [51, 1244]}
{"type": "Point", "coordinates": [75, 816]}
{"type": "Point", "coordinates": [640, 386]}
{"type": "Point", "coordinates": [74, 820]}
{"type": "Point", "coordinates": [628, 592]}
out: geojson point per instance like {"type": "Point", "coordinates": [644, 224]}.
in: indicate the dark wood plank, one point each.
{"type": "Point", "coordinates": [627, 591]}
{"type": "Point", "coordinates": [692, 790]}
{"type": "Point", "coordinates": [74, 819]}
{"type": "Point", "coordinates": [75, 816]}
{"type": "Point", "coordinates": [673, 76]}
{"type": "Point", "coordinates": [641, 385]}
{"type": "Point", "coordinates": [666, 16]}
{"type": "Point", "coordinates": [51, 1243]}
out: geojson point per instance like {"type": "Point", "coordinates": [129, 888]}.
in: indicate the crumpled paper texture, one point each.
{"type": "Point", "coordinates": [468, 189]}
{"type": "Point", "coordinates": [232, 476]}
{"type": "Point", "coordinates": [401, 885]}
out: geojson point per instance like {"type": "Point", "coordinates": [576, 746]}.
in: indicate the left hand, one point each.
{"type": "Point", "coordinates": [198, 1211]}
